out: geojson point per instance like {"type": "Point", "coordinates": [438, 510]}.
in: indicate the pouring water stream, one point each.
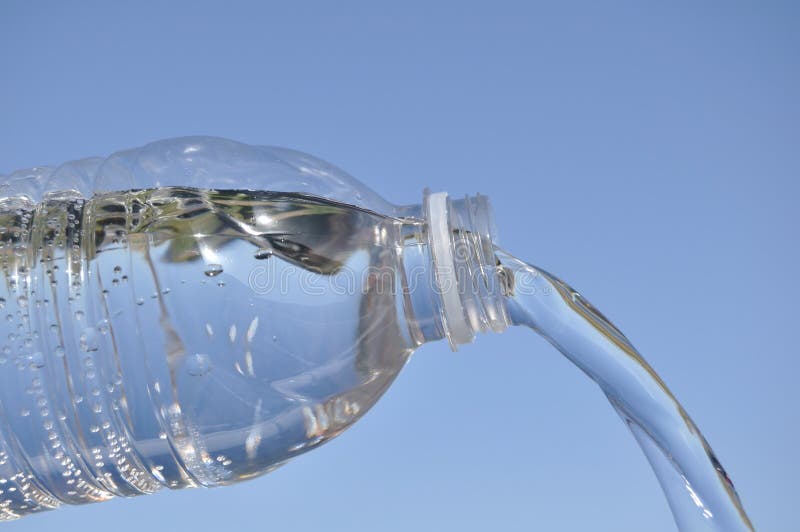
{"type": "Point", "coordinates": [699, 491]}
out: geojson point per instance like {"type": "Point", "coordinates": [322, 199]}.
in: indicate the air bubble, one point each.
{"type": "Point", "coordinates": [212, 270]}
{"type": "Point", "coordinates": [37, 360]}
{"type": "Point", "coordinates": [198, 365]}
{"type": "Point", "coordinates": [88, 340]}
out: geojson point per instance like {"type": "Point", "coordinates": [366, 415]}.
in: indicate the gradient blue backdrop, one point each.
{"type": "Point", "coordinates": [646, 153]}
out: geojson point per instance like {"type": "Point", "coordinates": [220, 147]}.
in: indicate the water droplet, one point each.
{"type": "Point", "coordinates": [198, 365]}
{"type": "Point", "coordinates": [213, 270]}
{"type": "Point", "coordinates": [78, 314]}
{"type": "Point", "coordinates": [37, 360]}
{"type": "Point", "coordinates": [22, 301]}
{"type": "Point", "coordinates": [88, 340]}
{"type": "Point", "coordinates": [117, 269]}
{"type": "Point", "coordinates": [262, 254]}
{"type": "Point", "coordinates": [140, 301]}
{"type": "Point", "coordinates": [274, 338]}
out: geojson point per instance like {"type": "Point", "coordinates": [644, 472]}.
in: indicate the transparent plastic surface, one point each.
{"type": "Point", "coordinates": [196, 162]}
{"type": "Point", "coordinates": [193, 312]}
{"type": "Point", "coordinates": [197, 311]}
{"type": "Point", "coordinates": [180, 337]}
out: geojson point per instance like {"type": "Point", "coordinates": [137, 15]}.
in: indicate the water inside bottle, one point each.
{"type": "Point", "coordinates": [181, 337]}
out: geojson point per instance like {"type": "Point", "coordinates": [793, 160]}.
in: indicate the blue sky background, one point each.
{"type": "Point", "coordinates": [647, 153]}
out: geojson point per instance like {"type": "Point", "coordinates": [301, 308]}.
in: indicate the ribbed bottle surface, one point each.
{"type": "Point", "coordinates": [180, 337]}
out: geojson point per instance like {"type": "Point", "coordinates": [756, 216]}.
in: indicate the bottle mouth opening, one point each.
{"type": "Point", "coordinates": [462, 234]}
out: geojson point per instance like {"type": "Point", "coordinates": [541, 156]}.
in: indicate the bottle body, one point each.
{"type": "Point", "coordinates": [162, 328]}
{"type": "Point", "coordinates": [179, 337]}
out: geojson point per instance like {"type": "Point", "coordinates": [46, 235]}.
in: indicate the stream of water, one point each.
{"type": "Point", "coordinates": [700, 492]}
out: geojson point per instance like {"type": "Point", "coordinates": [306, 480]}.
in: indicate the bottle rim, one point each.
{"type": "Point", "coordinates": [462, 236]}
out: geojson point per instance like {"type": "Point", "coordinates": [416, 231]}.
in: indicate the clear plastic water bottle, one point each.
{"type": "Point", "coordinates": [198, 311]}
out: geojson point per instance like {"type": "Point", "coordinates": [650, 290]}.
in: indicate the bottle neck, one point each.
{"type": "Point", "coordinates": [453, 288]}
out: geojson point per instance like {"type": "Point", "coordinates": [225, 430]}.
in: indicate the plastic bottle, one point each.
{"type": "Point", "coordinates": [167, 322]}
{"type": "Point", "coordinates": [198, 311]}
